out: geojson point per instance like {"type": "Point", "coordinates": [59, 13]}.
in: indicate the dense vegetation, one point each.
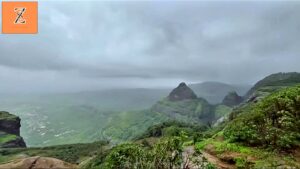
{"type": "Point", "coordinates": [72, 153]}
{"type": "Point", "coordinates": [261, 134]}
{"type": "Point", "coordinates": [274, 122]}
{"type": "Point", "coordinates": [166, 153]}
{"type": "Point", "coordinates": [127, 125]}
{"type": "Point", "coordinates": [174, 128]}
{"type": "Point", "coordinates": [264, 133]}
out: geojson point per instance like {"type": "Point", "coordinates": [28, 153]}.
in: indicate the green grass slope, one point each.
{"type": "Point", "coordinates": [192, 110]}
{"type": "Point", "coordinates": [271, 83]}
{"type": "Point", "coordinates": [127, 125]}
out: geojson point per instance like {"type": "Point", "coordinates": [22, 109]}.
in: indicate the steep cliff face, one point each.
{"type": "Point", "coordinates": [10, 131]}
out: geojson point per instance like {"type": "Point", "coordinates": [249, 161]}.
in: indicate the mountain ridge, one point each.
{"type": "Point", "coordinates": [214, 92]}
{"type": "Point", "coordinates": [229, 142]}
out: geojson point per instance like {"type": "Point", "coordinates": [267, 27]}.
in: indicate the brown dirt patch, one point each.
{"type": "Point", "coordinates": [37, 163]}
{"type": "Point", "coordinates": [217, 162]}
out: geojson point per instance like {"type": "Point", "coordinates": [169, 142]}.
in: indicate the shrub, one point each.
{"type": "Point", "coordinates": [165, 154]}
{"type": "Point", "coordinates": [126, 156]}
{"type": "Point", "coordinates": [275, 121]}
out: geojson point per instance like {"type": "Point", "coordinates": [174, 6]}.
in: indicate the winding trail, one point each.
{"type": "Point", "coordinates": [190, 164]}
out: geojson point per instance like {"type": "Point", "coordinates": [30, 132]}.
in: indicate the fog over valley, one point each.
{"type": "Point", "coordinates": [94, 45]}
{"type": "Point", "coordinates": [151, 85]}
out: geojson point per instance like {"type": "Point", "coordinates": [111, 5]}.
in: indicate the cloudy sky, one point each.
{"type": "Point", "coordinates": [84, 45]}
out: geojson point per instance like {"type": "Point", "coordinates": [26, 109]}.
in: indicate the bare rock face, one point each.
{"type": "Point", "coordinates": [10, 131]}
{"type": "Point", "coordinates": [10, 124]}
{"type": "Point", "coordinates": [182, 92]}
{"type": "Point", "coordinates": [15, 143]}
{"type": "Point", "coordinates": [232, 99]}
{"type": "Point", "coordinates": [37, 163]}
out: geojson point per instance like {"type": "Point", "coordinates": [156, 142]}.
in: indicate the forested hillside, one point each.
{"type": "Point", "coordinates": [185, 131]}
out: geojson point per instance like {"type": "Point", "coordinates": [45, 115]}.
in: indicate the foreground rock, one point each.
{"type": "Point", "coordinates": [37, 163]}
{"type": "Point", "coordinates": [10, 131]}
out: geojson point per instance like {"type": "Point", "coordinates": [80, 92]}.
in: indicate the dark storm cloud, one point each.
{"type": "Point", "coordinates": [33, 56]}
{"type": "Point", "coordinates": [154, 43]}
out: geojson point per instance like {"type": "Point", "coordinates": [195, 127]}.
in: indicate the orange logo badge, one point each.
{"type": "Point", "coordinates": [19, 17]}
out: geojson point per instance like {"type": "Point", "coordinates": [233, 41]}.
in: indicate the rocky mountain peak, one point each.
{"type": "Point", "coordinates": [182, 92]}
{"type": "Point", "coordinates": [182, 84]}
{"type": "Point", "coordinates": [232, 99]}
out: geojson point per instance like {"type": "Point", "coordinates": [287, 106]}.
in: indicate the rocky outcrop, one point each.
{"type": "Point", "coordinates": [10, 131]}
{"type": "Point", "coordinates": [14, 143]}
{"type": "Point", "coordinates": [9, 123]}
{"type": "Point", "coordinates": [37, 162]}
{"type": "Point", "coordinates": [182, 92]}
{"type": "Point", "coordinates": [232, 99]}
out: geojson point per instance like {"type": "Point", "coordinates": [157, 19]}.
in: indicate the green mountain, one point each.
{"type": "Point", "coordinates": [274, 121]}
{"type": "Point", "coordinates": [182, 105]}
{"type": "Point", "coordinates": [10, 131]}
{"type": "Point", "coordinates": [265, 133]}
{"type": "Point", "coordinates": [265, 87]}
{"type": "Point", "coordinates": [271, 83]}
{"type": "Point", "coordinates": [214, 92]}
{"type": "Point", "coordinates": [182, 92]}
{"type": "Point", "coordinates": [266, 136]}
{"type": "Point", "coordinates": [50, 119]}
{"type": "Point", "coordinates": [232, 99]}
